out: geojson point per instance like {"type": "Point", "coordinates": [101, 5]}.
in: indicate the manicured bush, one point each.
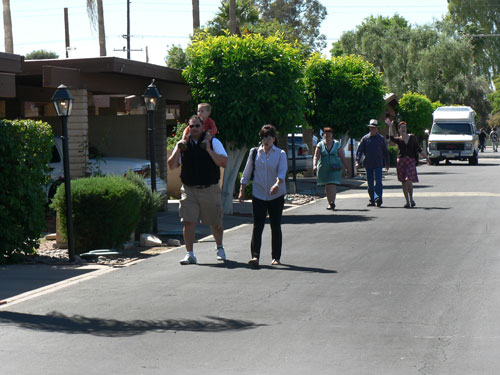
{"type": "Point", "coordinates": [416, 110]}
{"type": "Point", "coordinates": [106, 211]}
{"type": "Point", "coordinates": [393, 155]}
{"type": "Point", "coordinates": [179, 129]}
{"type": "Point", "coordinates": [25, 151]}
{"type": "Point", "coordinates": [248, 187]}
{"type": "Point", "coordinates": [150, 203]}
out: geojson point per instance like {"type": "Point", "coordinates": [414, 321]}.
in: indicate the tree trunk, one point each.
{"type": "Point", "coordinates": [235, 158]}
{"type": "Point", "coordinates": [102, 34]}
{"type": "Point", "coordinates": [7, 26]}
{"type": "Point", "coordinates": [232, 16]}
{"type": "Point", "coordinates": [196, 15]}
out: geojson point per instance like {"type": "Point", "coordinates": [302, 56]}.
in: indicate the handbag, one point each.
{"type": "Point", "coordinates": [335, 166]}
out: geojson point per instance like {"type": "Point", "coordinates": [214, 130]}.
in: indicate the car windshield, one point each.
{"type": "Point", "coordinates": [298, 139]}
{"type": "Point", "coordinates": [451, 128]}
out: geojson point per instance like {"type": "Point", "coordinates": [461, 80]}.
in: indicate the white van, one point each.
{"type": "Point", "coordinates": [453, 135]}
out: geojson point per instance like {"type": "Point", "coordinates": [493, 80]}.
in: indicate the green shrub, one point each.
{"type": "Point", "coordinates": [393, 155]}
{"type": "Point", "coordinates": [248, 188]}
{"type": "Point", "coordinates": [106, 211]}
{"type": "Point", "coordinates": [179, 129]}
{"type": "Point", "coordinates": [150, 203]}
{"type": "Point", "coordinates": [25, 151]}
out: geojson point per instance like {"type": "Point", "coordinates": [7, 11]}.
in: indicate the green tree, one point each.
{"type": "Point", "coordinates": [494, 120]}
{"type": "Point", "coordinates": [249, 81]}
{"type": "Point", "coordinates": [246, 16]}
{"type": "Point", "coordinates": [343, 92]}
{"type": "Point", "coordinates": [429, 59]}
{"type": "Point", "coordinates": [392, 46]}
{"type": "Point", "coordinates": [416, 110]}
{"type": "Point", "coordinates": [479, 20]}
{"type": "Point", "coordinates": [302, 16]}
{"type": "Point", "coordinates": [41, 54]}
{"type": "Point", "coordinates": [446, 73]}
{"type": "Point", "coordinates": [176, 57]}
{"type": "Point", "coordinates": [436, 105]}
{"type": "Point", "coordinates": [494, 97]}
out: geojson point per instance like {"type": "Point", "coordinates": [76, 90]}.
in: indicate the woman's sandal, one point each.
{"type": "Point", "coordinates": [275, 262]}
{"type": "Point", "coordinates": [254, 262]}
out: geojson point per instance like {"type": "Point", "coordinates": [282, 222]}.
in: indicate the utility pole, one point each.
{"type": "Point", "coordinates": [232, 16]}
{"type": "Point", "coordinates": [66, 30]}
{"type": "Point", "coordinates": [128, 29]}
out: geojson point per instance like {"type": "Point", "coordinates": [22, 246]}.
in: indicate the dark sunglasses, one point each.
{"type": "Point", "coordinates": [195, 126]}
{"type": "Point", "coordinates": [265, 135]}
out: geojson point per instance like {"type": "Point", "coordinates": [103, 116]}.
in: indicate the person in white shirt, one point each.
{"type": "Point", "coordinates": [494, 139]}
{"type": "Point", "coordinates": [200, 191]}
{"type": "Point", "coordinates": [266, 166]}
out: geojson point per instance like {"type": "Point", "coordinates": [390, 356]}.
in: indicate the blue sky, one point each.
{"type": "Point", "coordinates": [159, 24]}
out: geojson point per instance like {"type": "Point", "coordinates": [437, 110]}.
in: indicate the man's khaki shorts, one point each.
{"type": "Point", "coordinates": [204, 203]}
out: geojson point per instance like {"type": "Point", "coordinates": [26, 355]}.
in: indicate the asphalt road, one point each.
{"type": "Point", "coordinates": [362, 291]}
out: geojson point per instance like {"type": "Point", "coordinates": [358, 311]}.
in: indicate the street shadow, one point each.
{"type": "Point", "coordinates": [351, 210]}
{"type": "Point", "coordinates": [413, 208]}
{"type": "Point", "coordinates": [291, 267]}
{"type": "Point", "coordinates": [415, 186]}
{"type": "Point", "coordinates": [434, 173]}
{"type": "Point", "coordinates": [329, 217]}
{"type": "Point", "coordinates": [231, 264]}
{"type": "Point", "coordinates": [77, 324]}
{"type": "Point", "coordinates": [465, 164]}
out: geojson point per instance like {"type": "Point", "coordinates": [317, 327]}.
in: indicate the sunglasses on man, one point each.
{"type": "Point", "coordinates": [195, 126]}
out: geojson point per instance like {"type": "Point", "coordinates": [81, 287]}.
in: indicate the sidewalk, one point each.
{"type": "Point", "coordinates": [169, 224]}
{"type": "Point", "coordinates": [24, 278]}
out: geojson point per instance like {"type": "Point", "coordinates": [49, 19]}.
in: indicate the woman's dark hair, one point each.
{"type": "Point", "coordinates": [327, 129]}
{"type": "Point", "coordinates": [269, 130]}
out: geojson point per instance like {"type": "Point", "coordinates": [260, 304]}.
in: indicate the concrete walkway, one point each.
{"type": "Point", "coordinates": [19, 281]}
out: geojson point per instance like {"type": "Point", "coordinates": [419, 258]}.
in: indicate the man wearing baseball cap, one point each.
{"type": "Point", "coordinates": [374, 149]}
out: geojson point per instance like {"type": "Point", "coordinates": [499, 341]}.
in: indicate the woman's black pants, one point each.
{"type": "Point", "coordinates": [260, 209]}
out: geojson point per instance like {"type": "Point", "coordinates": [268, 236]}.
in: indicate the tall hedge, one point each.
{"type": "Point", "coordinates": [416, 110]}
{"type": "Point", "coordinates": [25, 151]}
{"type": "Point", "coordinates": [343, 92]}
{"type": "Point", "coordinates": [150, 203]}
{"type": "Point", "coordinates": [106, 211]}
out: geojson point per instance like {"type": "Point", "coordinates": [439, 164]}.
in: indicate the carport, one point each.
{"type": "Point", "coordinates": [108, 112]}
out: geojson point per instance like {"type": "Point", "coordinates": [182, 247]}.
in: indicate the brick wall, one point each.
{"type": "Point", "coordinates": [78, 134]}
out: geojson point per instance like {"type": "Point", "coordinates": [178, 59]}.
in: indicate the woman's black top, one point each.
{"type": "Point", "coordinates": [411, 149]}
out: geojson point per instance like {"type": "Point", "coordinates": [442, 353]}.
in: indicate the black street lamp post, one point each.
{"type": "Point", "coordinates": [151, 96]}
{"type": "Point", "coordinates": [63, 102]}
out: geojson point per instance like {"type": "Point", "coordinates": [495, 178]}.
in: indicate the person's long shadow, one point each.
{"type": "Point", "coordinates": [231, 264]}
{"type": "Point", "coordinates": [325, 218]}
{"type": "Point", "coordinates": [414, 208]}
{"type": "Point", "coordinates": [396, 187]}
{"type": "Point", "coordinates": [77, 324]}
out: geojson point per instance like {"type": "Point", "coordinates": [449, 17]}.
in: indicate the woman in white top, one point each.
{"type": "Point", "coordinates": [267, 166]}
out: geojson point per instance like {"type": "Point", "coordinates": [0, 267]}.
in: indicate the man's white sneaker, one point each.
{"type": "Point", "coordinates": [221, 254]}
{"type": "Point", "coordinates": [188, 259]}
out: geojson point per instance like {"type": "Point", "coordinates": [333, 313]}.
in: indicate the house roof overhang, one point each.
{"type": "Point", "coordinates": [10, 64]}
{"type": "Point", "coordinates": [105, 75]}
